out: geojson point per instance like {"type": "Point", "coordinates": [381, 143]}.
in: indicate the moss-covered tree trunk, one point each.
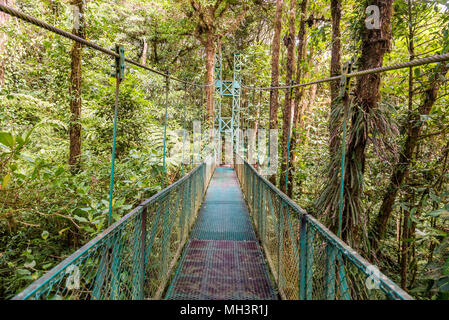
{"type": "Point", "coordinates": [75, 88]}
{"type": "Point", "coordinates": [298, 112]}
{"type": "Point", "coordinates": [210, 58]}
{"type": "Point", "coordinates": [275, 51]}
{"type": "Point", "coordinates": [375, 44]}
{"type": "Point", "coordinates": [289, 42]}
{"type": "Point", "coordinates": [335, 70]}
{"type": "Point", "coordinates": [4, 19]}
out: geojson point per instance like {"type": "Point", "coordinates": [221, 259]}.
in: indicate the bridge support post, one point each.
{"type": "Point", "coordinates": [309, 256]}
{"type": "Point", "coordinates": [262, 214]}
{"type": "Point", "coordinates": [281, 244]}
{"type": "Point", "coordinates": [342, 281]}
{"type": "Point", "coordinates": [116, 266]}
{"type": "Point", "coordinates": [139, 256]}
{"type": "Point", "coordinates": [330, 272]}
{"type": "Point", "coordinates": [306, 260]}
{"type": "Point", "coordinates": [302, 258]}
{"type": "Point", "coordinates": [259, 204]}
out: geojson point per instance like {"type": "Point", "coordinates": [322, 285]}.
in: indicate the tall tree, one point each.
{"type": "Point", "coordinates": [298, 112]}
{"type": "Point", "coordinates": [75, 87]}
{"type": "Point", "coordinates": [4, 19]}
{"type": "Point", "coordinates": [335, 117]}
{"type": "Point", "coordinates": [213, 20]}
{"type": "Point", "coordinates": [143, 56]}
{"type": "Point", "coordinates": [275, 51]}
{"type": "Point", "coordinates": [375, 43]}
{"type": "Point", "coordinates": [289, 42]}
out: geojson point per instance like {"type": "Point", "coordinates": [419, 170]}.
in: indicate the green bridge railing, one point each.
{"type": "Point", "coordinates": [306, 259]}
{"type": "Point", "coordinates": [134, 257]}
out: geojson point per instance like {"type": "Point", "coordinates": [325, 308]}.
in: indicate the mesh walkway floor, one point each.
{"type": "Point", "coordinates": [222, 260]}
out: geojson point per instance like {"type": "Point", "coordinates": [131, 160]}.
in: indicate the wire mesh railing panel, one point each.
{"type": "Point", "coordinates": [289, 254]}
{"type": "Point", "coordinates": [307, 260]}
{"type": "Point", "coordinates": [133, 258]}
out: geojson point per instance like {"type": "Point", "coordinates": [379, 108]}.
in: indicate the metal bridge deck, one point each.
{"type": "Point", "coordinates": [222, 260]}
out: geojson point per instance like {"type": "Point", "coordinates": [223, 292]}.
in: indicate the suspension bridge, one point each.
{"type": "Point", "coordinates": [220, 232]}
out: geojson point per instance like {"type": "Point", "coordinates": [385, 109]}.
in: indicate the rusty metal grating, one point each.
{"type": "Point", "coordinates": [222, 259]}
{"type": "Point", "coordinates": [223, 270]}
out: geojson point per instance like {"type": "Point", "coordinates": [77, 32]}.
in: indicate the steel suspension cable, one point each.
{"type": "Point", "coordinates": [413, 63]}
{"type": "Point", "coordinates": [114, 138]}
{"type": "Point", "coordinates": [39, 23]}
{"type": "Point", "coordinates": [42, 24]}
{"type": "Point", "coordinates": [119, 74]}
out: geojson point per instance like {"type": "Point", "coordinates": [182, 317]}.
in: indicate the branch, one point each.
{"type": "Point", "coordinates": [236, 24]}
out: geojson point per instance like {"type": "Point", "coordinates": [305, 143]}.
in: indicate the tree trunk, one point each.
{"type": "Point", "coordinates": [210, 58]}
{"type": "Point", "coordinates": [143, 57]}
{"type": "Point", "coordinates": [274, 93]}
{"type": "Point", "coordinates": [375, 43]}
{"type": "Point", "coordinates": [75, 89]}
{"type": "Point", "coordinates": [334, 122]}
{"type": "Point", "coordinates": [289, 42]}
{"type": "Point", "coordinates": [257, 126]}
{"type": "Point", "coordinates": [4, 19]}
{"type": "Point", "coordinates": [297, 113]}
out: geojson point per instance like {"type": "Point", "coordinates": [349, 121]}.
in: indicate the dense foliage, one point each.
{"type": "Point", "coordinates": [47, 211]}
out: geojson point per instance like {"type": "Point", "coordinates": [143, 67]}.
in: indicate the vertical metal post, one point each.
{"type": "Point", "coordinates": [330, 272]}
{"type": "Point", "coordinates": [138, 256]}
{"type": "Point", "coordinates": [165, 240]}
{"type": "Point", "coordinates": [280, 242]}
{"type": "Point", "coordinates": [116, 266]}
{"type": "Point", "coordinates": [309, 274]}
{"type": "Point", "coordinates": [143, 235]}
{"type": "Point", "coordinates": [302, 258]}
{"type": "Point", "coordinates": [345, 293]}
{"type": "Point", "coordinates": [119, 75]}
{"type": "Point", "coordinates": [183, 210]}
{"type": "Point", "coordinates": [262, 214]}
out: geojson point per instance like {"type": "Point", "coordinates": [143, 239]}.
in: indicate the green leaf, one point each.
{"type": "Point", "coordinates": [45, 234]}
{"type": "Point", "coordinates": [47, 265]}
{"type": "Point", "coordinates": [440, 213]}
{"type": "Point", "coordinates": [88, 229]}
{"type": "Point", "coordinates": [443, 284]}
{"type": "Point", "coordinates": [7, 139]}
{"type": "Point", "coordinates": [59, 171]}
{"type": "Point", "coordinates": [23, 272]}
{"type": "Point", "coordinates": [81, 219]}
{"type": "Point", "coordinates": [417, 72]}
{"type": "Point", "coordinates": [31, 264]}
{"type": "Point", "coordinates": [6, 180]}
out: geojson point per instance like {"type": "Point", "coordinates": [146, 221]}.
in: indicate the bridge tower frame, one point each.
{"type": "Point", "coordinates": [226, 88]}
